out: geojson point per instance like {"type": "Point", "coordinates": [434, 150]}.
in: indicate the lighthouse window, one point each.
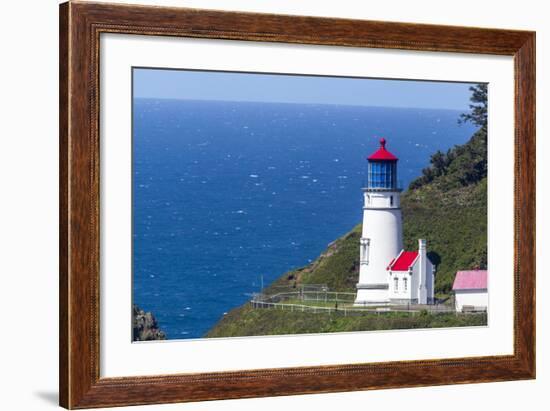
{"type": "Point", "coordinates": [381, 174]}
{"type": "Point", "coordinates": [396, 284]}
{"type": "Point", "coordinates": [391, 200]}
{"type": "Point", "coordinates": [405, 284]}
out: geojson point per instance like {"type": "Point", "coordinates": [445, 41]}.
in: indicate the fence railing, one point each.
{"type": "Point", "coordinates": [347, 310]}
{"type": "Point", "coordinates": [317, 298]}
{"type": "Point", "coordinates": [321, 296]}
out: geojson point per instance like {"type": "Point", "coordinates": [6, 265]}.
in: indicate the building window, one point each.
{"type": "Point", "coordinates": [395, 284]}
{"type": "Point", "coordinates": [405, 284]}
{"type": "Point", "coordinates": [391, 201]}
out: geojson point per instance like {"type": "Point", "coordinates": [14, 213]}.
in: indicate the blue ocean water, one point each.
{"type": "Point", "coordinates": [227, 192]}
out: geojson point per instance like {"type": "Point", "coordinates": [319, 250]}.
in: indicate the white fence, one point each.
{"type": "Point", "coordinates": [351, 310]}
{"type": "Point", "coordinates": [340, 303]}
{"type": "Point", "coordinates": [322, 296]}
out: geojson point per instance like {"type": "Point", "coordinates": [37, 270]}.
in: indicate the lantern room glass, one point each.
{"type": "Point", "coordinates": [382, 175]}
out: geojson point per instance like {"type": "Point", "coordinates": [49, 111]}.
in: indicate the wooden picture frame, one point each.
{"type": "Point", "coordinates": [80, 27]}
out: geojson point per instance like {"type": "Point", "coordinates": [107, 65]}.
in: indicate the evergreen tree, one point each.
{"type": "Point", "coordinates": [467, 164]}
{"type": "Point", "coordinates": [478, 108]}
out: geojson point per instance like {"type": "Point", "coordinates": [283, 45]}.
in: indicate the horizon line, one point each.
{"type": "Point", "coordinates": [296, 103]}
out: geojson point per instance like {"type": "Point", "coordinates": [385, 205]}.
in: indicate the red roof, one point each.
{"type": "Point", "coordinates": [382, 154]}
{"type": "Point", "coordinates": [404, 261]}
{"type": "Point", "coordinates": [470, 280]}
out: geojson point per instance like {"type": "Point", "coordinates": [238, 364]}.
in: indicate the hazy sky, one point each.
{"type": "Point", "coordinates": [232, 86]}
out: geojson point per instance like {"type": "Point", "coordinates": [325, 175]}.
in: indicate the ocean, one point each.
{"type": "Point", "coordinates": [226, 194]}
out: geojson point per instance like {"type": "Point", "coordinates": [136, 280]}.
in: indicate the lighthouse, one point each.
{"type": "Point", "coordinates": [382, 236]}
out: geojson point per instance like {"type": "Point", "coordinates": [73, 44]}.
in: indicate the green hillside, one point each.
{"type": "Point", "coordinates": [446, 205]}
{"type": "Point", "coordinates": [449, 213]}
{"type": "Point", "coordinates": [247, 321]}
{"type": "Point", "coordinates": [454, 222]}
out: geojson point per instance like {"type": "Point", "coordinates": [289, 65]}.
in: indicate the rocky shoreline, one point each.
{"type": "Point", "coordinates": [145, 326]}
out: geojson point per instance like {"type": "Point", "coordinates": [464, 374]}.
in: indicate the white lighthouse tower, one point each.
{"type": "Point", "coordinates": [382, 237]}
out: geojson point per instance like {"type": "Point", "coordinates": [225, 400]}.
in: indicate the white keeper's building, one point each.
{"type": "Point", "coordinates": [388, 274]}
{"type": "Point", "coordinates": [470, 290]}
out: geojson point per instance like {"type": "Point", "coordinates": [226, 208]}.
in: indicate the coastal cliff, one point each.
{"type": "Point", "coordinates": [447, 206]}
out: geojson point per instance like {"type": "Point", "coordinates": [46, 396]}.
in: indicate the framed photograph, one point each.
{"type": "Point", "coordinates": [259, 205]}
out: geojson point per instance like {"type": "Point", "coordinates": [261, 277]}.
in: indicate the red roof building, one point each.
{"type": "Point", "coordinates": [382, 154]}
{"type": "Point", "coordinates": [411, 277]}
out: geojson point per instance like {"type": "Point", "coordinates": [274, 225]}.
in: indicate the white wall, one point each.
{"type": "Point", "coordinates": [28, 210]}
{"type": "Point", "coordinates": [430, 279]}
{"type": "Point", "coordinates": [383, 227]}
{"type": "Point", "coordinates": [472, 298]}
{"type": "Point", "coordinates": [400, 293]}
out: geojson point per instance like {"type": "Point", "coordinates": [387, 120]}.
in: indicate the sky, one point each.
{"type": "Point", "coordinates": [236, 86]}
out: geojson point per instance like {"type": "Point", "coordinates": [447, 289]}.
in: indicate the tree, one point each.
{"type": "Point", "coordinates": [478, 108]}
{"type": "Point", "coordinates": [439, 162]}
{"type": "Point", "coordinates": [467, 164]}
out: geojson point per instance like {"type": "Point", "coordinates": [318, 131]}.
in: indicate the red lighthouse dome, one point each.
{"type": "Point", "coordinates": [382, 154]}
{"type": "Point", "coordinates": [382, 169]}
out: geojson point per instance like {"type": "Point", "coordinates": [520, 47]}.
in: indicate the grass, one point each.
{"type": "Point", "coordinates": [249, 321]}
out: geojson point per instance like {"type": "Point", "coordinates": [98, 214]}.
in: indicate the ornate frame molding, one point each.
{"type": "Point", "coordinates": [81, 24]}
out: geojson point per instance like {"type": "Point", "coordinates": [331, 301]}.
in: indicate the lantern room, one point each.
{"type": "Point", "coordinates": [382, 169]}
